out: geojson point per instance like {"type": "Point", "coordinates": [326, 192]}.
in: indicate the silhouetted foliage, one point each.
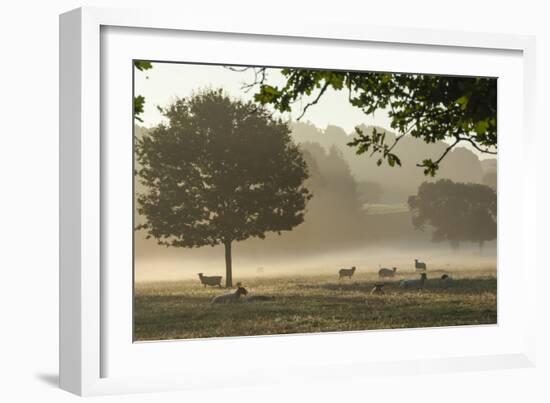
{"type": "Point", "coordinates": [457, 109]}
{"type": "Point", "coordinates": [142, 65]}
{"type": "Point", "coordinates": [219, 171]}
{"type": "Point", "coordinates": [139, 100]}
{"type": "Point", "coordinates": [457, 212]}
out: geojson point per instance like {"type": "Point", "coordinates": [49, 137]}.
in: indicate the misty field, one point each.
{"type": "Point", "coordinates": [182, 310]}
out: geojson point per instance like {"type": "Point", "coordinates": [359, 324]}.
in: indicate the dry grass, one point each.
{"type": "Point", "coordinates": [182, 310]}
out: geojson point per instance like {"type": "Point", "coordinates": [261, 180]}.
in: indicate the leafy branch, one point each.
{"type": "Point", "coordinates": [139, 100]}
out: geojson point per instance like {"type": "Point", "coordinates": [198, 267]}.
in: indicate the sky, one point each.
{"type": "Point", "coordinates": [166, 82]}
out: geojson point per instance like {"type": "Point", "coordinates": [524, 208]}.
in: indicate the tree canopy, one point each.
{"type": "Point", "coordinates": [430, 107]}
{"type": "Point", "coordinates": [221, 170]}
{"type": "Point", "coordinates": [456, 212]}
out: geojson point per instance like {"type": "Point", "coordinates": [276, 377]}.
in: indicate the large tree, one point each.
{"type": "Point", "coordinates": [456, 212]}
{"type": "Point", "coordinates": [430, 107]}
{"type": "Point", "coordinates": [220, 171]}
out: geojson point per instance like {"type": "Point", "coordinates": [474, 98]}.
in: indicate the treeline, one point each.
{"type": "Point", "coordinates": [344, 185]}
{"type": "Point", "coordinates": [385, 184]}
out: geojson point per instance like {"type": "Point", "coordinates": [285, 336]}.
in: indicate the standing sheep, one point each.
{"type": "Point", "coordinates": [418, 265]}
{"type": "Point", "coordinates": [383, 272]}
{"type": "Point", "coordinates": [346, 273]}
{"type": "Point", "coordinates": [210, 280]}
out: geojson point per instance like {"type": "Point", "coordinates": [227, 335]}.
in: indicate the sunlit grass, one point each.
{"type": "Point", "coordinates": [304, 304]}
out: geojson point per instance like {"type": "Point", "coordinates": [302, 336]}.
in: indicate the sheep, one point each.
{"type": "Point", "coordinates": [210, 280]}
{"type": "Point", "coordinates": [416, 283]}
{"type": "Point", "coordinates": [383, 272]}
{"type": "Point", "coordinates": [446, 280]}
{"type": "Point", "coordinates": [378, 288]}
{"type": "Point", "coordinates": [346, 273]}
{"type": "Point", "coordinates": [418, 265]}
{"type": "Point", "coordinates": [231, 297]}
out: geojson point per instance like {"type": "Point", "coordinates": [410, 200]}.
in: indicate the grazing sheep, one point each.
{"type": "Point", "coordinates": [418, 265]}
{"type": "Point", "coordinates": [346, 273]}
{"type": "Point", "coordinates": [231, 297]}
{"type": "Point", "coordinates": [446, 280]}
{"type": "Point", "coordinates": [210, 280]}
{"type": "Point", "coordinates": [383, 272]}
{"type": "Point", "coordinates": [416, 283]}
{"type": "Point", "coordinates": [254, 298]}
{"type": "Point", "coordinates": [378, 288]}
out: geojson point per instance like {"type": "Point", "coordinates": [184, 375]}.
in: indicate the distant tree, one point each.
{"type": "Point", "coordinates": [430, 107]}
{"type": "Point", "coordinates": [457, 212]}
{"type": "Point", "coordinates": [335, 216]}
{"type": "Point", "coordinates": [461, 165]}
{"type": "Point", "coordinates": [490, 179]}
{"type": "Point", "coordinates": [219, 171]}
{"type": "Point", "coordinates": [370, 192]}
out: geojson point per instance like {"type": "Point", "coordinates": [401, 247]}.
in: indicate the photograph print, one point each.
{"type": "Point", "coordinates": [285, 200]}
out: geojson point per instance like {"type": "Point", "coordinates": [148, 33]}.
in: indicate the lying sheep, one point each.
{"type": "Point", "coordinates": [383, 272]}
{"type": "Point", "coordinates": [210, 280]}
{"type": "Point", "coordinates": [346, 273]}
{"type": "Point", "coordinates": [231, 297]}
{"type": "Point", "coordinates": [416, 283]}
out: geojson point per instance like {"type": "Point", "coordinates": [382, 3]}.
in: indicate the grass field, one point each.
{"type": "Point", "coordinates": [182, 309]}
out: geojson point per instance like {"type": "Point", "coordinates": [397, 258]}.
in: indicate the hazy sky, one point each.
{"type": "Point", "coordinates": [165, 82]}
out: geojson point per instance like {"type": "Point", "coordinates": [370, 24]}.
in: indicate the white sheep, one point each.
{"type": "Point", "coordinates": [210, 280]}
{"type": "Point", "coordinates": [231, 297]}
{"type": "Point", "coordinates": [416, 283]}
{"type": "Point", "coordinates": [346, 273]}
{"type": "Point", "coordinates": [383, 272]}
{"type": "Point", "coordinates": [418, 265]}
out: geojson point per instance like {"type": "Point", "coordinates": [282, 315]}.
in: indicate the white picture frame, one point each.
{"type": "Point", "coordinates": [89, 339]}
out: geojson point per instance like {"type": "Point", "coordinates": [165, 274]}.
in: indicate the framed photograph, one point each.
{"type": "Point", "coordinates": [243, 204]}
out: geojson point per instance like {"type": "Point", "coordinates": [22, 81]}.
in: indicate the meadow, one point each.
{"type": "Point", "coordinates": [313, 303]}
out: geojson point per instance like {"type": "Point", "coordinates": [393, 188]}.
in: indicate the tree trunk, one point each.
{"type": "Point", "coordinates": [228, 268]}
